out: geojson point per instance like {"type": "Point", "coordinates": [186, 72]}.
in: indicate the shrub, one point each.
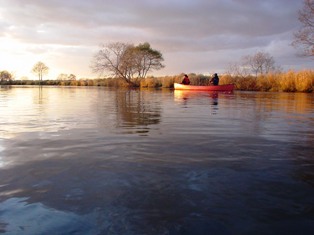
{"type": "Point", "coordinates": [268, 82]}
{"type": "Point", "coordinates": [226, 79]}
{"type": "Point", "coordinates": [150, 82]}
{"type": "Point", "coordinates": [248, 83]}
{"type": "Point", "coordinates": [167, 81]}
{"type": "Point", "coordinates": [287, 81]}
{"type": "Point", "coordinates": [304, 81]}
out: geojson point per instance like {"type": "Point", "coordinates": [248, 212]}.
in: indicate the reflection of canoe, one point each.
{"type": "Point", "coordinates": [191, 94]}
{"type": "Point", "coordinates": [227, 87]}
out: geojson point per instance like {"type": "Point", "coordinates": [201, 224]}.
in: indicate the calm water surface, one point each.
{"type": "Point", "coordinates": [100, 161]}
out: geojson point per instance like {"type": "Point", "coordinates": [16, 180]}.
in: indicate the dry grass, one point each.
{"type": "Point", "coordinates": [290, 81]}
{"type": "Point", "coordinates": [304, 81]}
{"type": "Point", "coordinates": [150, 82]}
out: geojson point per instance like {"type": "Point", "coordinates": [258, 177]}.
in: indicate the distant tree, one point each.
{"type": "Point", "coordinates": [72, 77]}
{"type": "Point", "coordinates": [304, 37]}
{"type": "Point", "coordinates": [127, 61]}
{"type": "Point", "coordinates": [5, 76]}
{"type": "Point", "coordinates": [260, 63]}
{"type": "Point", "coordinates": [237, 69]}
{"type": "Point", "coordinates": [62, 77]}
{"type": "Point", "coordinates": [40, 69]}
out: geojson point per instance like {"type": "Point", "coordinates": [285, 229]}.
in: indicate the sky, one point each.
{"type": "Point", "coordinates": [194, 36]}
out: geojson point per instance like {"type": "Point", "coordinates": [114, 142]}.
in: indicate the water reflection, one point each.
{"type": "Point", "coordinates": [39, 99]}
{"type": "Point", "coordinates": [184, 97]}
{"type": "Point", "coordinates": [286, 102]}
{"type": "Point", "coordinates": [215, 98]}
{"type": "Point", "coordinates": [137, 109]}
{"type": "Point", "coordinates": [101, 161]}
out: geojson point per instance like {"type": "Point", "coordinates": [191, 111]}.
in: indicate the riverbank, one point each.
{"type": "Point", "coordinates": [291, 81]}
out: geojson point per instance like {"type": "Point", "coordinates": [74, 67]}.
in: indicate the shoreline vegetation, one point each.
{"type": "Point", "coordinates": [291, 81]}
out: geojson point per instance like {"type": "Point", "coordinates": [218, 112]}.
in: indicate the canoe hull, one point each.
{"type": "Point", "coordinates": [227, 87]}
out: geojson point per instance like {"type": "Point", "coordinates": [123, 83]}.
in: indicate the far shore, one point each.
{"type": "Point", "coordinates": [291, 81]}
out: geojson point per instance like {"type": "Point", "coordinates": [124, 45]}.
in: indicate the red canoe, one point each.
{"type": "Point", "coordinates": [227, 87]}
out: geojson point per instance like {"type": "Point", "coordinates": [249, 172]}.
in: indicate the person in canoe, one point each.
{"type": "Point", "coordinates": [186, 80]}
{"type": "Point", "coordinates": [215, 80]}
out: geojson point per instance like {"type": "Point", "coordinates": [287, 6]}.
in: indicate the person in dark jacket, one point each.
{"type": "Point", "coordinates": [186, 80]}
{"type": "Point", "coordinates": [215, 80]}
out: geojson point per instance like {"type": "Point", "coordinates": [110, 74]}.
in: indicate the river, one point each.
{"type": "Point", "coordinates": [93, 160]}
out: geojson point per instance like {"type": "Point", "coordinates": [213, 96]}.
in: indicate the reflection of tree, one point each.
{"type": "Point", "coordinates": [40, 95]}
{"type": "Point", "coordinates": [135, 108]}
{"type": "Point", "coordinates": [40, 98]}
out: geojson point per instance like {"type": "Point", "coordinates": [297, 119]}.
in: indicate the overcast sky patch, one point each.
{"type": "Point", "coordinates": [194, 36]}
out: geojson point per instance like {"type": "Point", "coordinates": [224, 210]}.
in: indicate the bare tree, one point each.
{"type": "Point", "coordinates": [72, 77]}
{"type": "Point", "coordinates": [260, 63]}
{"type": "Point", "coordinates": [237, 69]}
{"type": "Point", "coordinates": [304, 37]}
{"type": "Point", "coordinates": [62, 77]}
{"type": "Point", "coordinates": [126, 61]}
{"type": "Point", "coordinates": [108, 58]}
{"type": "Point", "coordinates": [40, 69]}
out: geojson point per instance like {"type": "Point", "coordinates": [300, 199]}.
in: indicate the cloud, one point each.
{"type": "Point", "coordinates": [198, 28]}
